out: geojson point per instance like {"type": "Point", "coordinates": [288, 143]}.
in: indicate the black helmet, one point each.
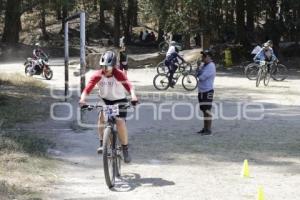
{"type": "Point", "coordinates": [207, 52]}
{"type": "Point", "coordinates": [109, 58]}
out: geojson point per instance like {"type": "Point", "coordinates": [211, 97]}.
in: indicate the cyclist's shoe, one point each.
{"type": "Point", "coordinates": [172, 84]}
{"type": "Point", "coordinates": [201, 131]}
{"type": "Point", "coordinates": [206, 132]}
{"type": "Point", "coordinates": [100, 150]}
{"type": "Point", "coordinates": [127, 158]}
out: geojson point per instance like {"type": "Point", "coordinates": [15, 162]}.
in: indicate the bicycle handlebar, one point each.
{"type": "Point", "coordinates": [92, 107]}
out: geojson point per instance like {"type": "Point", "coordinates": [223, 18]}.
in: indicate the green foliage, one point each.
{"type": "Point", "coordinates": [184, 16]}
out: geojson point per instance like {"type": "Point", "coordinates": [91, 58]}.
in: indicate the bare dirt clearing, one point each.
{"type": "Point", "coordinates": [170, 161]}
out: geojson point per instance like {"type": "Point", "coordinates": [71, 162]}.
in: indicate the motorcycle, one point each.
{"type": "Point", "coordinates": [38, 66]}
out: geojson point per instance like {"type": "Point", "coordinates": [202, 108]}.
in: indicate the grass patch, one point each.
{"type": "Point", "coordinates": [25, 168]}
{"type": "Point", "coordinates": [24, 142]}
{"type": "Point", "coordinates": [22, 99]}
{"type": "Point", "coordinates": [8, 191]}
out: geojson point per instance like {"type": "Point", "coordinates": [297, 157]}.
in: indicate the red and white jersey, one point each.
{"type": "Point", "coordinates": [110, 88]}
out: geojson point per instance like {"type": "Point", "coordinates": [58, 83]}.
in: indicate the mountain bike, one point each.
{"type": "Point", "coordinates": [161, 68]}
{"type": "Point", "coordinates": [264, 73]}
{"type": "Point", "coordinates": [189, 79]}
{"type": "Point", "coordinates": [279, 72]}
{"type": "Point", "coordinates": [112, 150]}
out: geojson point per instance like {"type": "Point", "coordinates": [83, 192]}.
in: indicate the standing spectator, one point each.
{"type": "Point", "coordinates": [141, 36]}
{"type": "Point", "coordinates": [122, 42]}
{"type": "Point", "coordinates": [152, 37]}
{"type": "Point", "coordinates": [123, 60]}
{"type": "Point", "coordinates": [145, 35]}
{"type": "Point", "coordinates": [206, 76]}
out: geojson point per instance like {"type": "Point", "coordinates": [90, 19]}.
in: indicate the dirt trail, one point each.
{"type": "Point", "coordinates": [170, 161]}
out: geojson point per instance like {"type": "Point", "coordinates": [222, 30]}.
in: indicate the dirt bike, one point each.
{"type": "Point", "coordinates": [38, 66]}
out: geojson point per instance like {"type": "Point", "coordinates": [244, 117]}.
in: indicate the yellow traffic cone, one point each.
{"type": "Point", "coordinates": [245, 172]}
{"type": "Point", "coordinates": [260, 194]}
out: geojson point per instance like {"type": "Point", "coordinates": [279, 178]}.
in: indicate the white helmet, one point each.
{"type": "Point", "coordinates": [172, 43]}
{"type": "Point", "coordinates": [109, 59]}
{"type": "Point", "coordinates": [37, 44]}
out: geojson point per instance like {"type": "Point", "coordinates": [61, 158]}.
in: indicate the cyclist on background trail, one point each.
{"type": "Point", "coordinates": [171, 61]}
{"type": "Point", "coordinates": [113, 85]}
{"type": "Point", "coordinates": [266, 53]}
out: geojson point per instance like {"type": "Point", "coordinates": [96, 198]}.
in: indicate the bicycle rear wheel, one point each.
{"type": "Point", "coordinates": [189, 82]}
{"type": "Point", "coordinates": [267, 78]}
{"type": "Point", "coordinates": [251, 71]}
{"type": "Point", "coordinates": [161, 68]}
{"type": "Point", "coordinates": [109, 161]}
{"type": "Point", "coordinates": [161, 82]}
{"type": "Point", "coordinates": [259, 76]}
{"type": "Point", "coordinates": [279, 73]}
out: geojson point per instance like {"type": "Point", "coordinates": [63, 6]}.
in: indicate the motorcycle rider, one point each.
{"type": "Point", "coordinates": [38, 54]}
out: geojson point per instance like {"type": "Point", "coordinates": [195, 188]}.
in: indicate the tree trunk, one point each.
{"type": "Point", "coordinates": [101, 13]}
{"type": "Point", "coordinates": [130, 19]}
{"type": "Point", "coordinates": [231, 15]}
{"type": "Point", "coordinates": [58, 11]}
{"type": "Point", "coordinates": [250, 14]}
{"type": "Point", "coordinates": [43, 20]}
{"type": "Point", "coordinates": [240, 21]}
{"type": "Point", "coordinates": [161, 21]}
{"type": "Point", "coordinates": [135, 13]}
{"type": "Point", "coordinates": [250, 20]}
{"type": "Point", "coordinates": [123, 18]}
{"type": "Point", "coordinates": [12, 21]}
{"type": "Point", "coordinates": [186, 41]}
{"type": "Point", "coordinates": [117, 9]}
{"type": "Point", "coordinates": [298, 26]}
{"type": "Point", "coordinates": [1, 6]}
{"type": "Point", "coordinates": [95, 5]}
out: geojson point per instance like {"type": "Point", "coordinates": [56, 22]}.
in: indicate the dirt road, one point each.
{"type": "Point", "coordinates": [170, 161]}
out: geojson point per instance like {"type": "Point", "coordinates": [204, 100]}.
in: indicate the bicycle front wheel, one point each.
{"type": "Point", "coordinates": [279, 73]}
{"type": "Point", "coordinates": [109, 163]}
{"type": "Point", "coordinates": [161, 82]}
{"type": "Point", "coordinates": [267, 78]}
{"type": "Point", "coordinates": [118, 160]}
{"type": "Point", "coordinates": [189, 82]}
{"type": "Point", "coordinates": [259, 76]}
{"type": "Point", "coordinates": [251, 71]}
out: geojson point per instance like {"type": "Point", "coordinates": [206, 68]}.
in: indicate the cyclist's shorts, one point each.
{"type": "Point", "coordinates": [122, 103]}
{"type": "Point", "coordinates": [205, 100]}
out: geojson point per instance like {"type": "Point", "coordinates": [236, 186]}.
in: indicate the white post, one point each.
{"type": "Point", "coordinates": [82, 51]}
{"type": "Point", "coordinates": [66, 59]}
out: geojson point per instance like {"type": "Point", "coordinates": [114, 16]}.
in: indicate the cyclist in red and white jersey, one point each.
{"type": "Point", "coordinates": [113, 86]}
